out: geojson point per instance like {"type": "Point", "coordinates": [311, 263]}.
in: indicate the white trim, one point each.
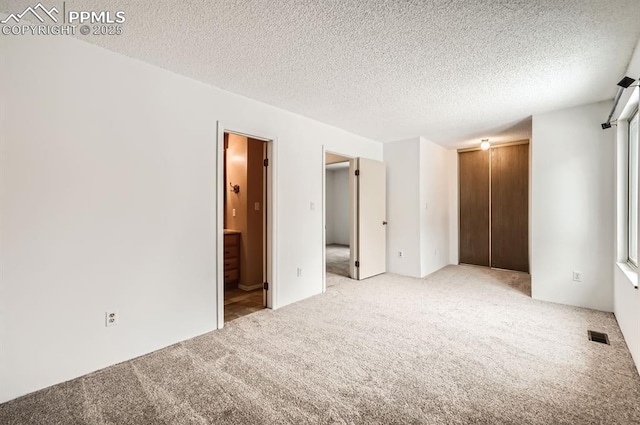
{"type": "Point", "coordinates": [250, 287]}
{"type": "Point", "coordinates": [354, 252]}
{"type": "Point", "coordinates": [622, 188]}
{"type": "Point", "coordinates": [272, 144]}
{"type": "Point", "coordinates": [324, 219]}
{"type": "Point", "coordinates": [219, 227]}
{"type": "Point", "coordinates": [631, 274]}
{"type": "Point", "coordinates": [629, 109]}
{"type": "Point", "coordinates": [626, 123]}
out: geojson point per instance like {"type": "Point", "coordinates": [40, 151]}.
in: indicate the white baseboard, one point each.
{"type": "Point", "coordinates": [250, 287]}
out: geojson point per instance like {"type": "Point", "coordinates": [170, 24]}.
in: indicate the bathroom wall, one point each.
{"type": "Point", "coordinates": [244, 210]}
{"type": "Point", "coordinates": [252, 240]}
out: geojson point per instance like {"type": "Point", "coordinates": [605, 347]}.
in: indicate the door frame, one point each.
{"type": "Point", "coordinates": [271, 211]}
{"type": "Point", "coordinates": [351, 159]}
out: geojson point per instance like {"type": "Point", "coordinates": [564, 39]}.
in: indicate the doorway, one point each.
{"type": "Point", "coordinates": [245, 248]}
{"type": "Point", "coordinates": [337, 228]}
{"type": "Point", "coordinates": [363, 189]}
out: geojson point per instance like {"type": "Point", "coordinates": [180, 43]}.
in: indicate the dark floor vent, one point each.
{"type": "Point", "coordinates": [598, 337]}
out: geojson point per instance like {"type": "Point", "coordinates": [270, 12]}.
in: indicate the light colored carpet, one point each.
{"type": "Point", "coordinates": [463, 346]}
{"type": "Point", "coordinates": [337, 259]}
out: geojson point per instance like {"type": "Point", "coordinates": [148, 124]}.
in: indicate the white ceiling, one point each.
{"type": "Point", "coordinates": [453, 71]}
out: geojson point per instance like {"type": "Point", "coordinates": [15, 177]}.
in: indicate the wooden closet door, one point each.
{"type": "Point", "coordinates": [474, 207]}
{"type": "Point", "coordinates": [510, 207]}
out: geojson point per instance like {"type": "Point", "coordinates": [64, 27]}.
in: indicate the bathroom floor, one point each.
{"type": "Point", "coordinates": [238, 303]}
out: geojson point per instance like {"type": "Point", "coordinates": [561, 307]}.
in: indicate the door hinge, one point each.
{"type": "Point", "coordinates": [357, 263]}
{"type": "Point", "coordinates": [265, 286]}
{"type": "Point", "coordinates": [357, 172]}
{"type": "Point", "coordinates": [266, 162]}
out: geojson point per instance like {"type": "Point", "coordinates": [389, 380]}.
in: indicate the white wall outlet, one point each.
{"type": "Point", "coordinates": [111, 318]}
{"type": "Point", "coordinates": [577, 276]}
{"type": "Point", "coordinates": [234, 212]}
{"type": "Point", "coordinates": [299, 272]}
{"type": "Point", "coordinates": [400, 254]}
{"type": "Point", "coordinates": [312, 206]}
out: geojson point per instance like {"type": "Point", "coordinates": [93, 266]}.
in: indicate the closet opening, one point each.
{"type": "Point", "coordinates": [494, 206]}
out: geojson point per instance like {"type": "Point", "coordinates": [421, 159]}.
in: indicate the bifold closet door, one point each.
{"type": "Point", "coordinates": [474, 207]}
{"type": "Point", "coordinates": [510, 207]}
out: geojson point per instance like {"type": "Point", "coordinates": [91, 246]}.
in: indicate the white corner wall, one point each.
{"type": "Point", "coordinates": [107, 199]}
{"type": "Point", "coordinates": [435, 164]}
{"type": "Point", "coordinates": [419, 206]}
{"type": "Point", "coordinates": [627, 312]}
{"type": "Point", "coordinates": [337, 212]}
{"type": "Point", "coordinates": [626, 296]}
{"type": "Point", "coordinates": [572, 216]}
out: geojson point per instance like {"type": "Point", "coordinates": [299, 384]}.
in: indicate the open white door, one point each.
{"type": "Point", "coordinates": [368, 218]}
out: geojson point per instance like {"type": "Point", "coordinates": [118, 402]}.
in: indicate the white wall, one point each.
{"type": "Point", "coordinates": [337, 212]}
{"type": "Point", "coordinates": [403, 206]}
{"type": "Point", "coordinates": [435, 164]}
{"type": "Point", "coordinates": [627, 312]}
{"type": "Point", "coordinates": [108, 201]}
{"type": "Point", "coordinates": [625, 294]}
{"type": "Point", "coordinates": [419, 174]}
{"type": "Point", "coordinates": [572, 217]}
{"type": "Point", "coordinates": [454, 209]}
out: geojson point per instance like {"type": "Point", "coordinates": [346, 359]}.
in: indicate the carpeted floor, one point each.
{"type": "Point", "coordinates": [464, 346]}
{"type": "Point", "coordinates": [337, 259]}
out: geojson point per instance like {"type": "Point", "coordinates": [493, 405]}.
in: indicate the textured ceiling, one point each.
{"type": "Point", "coordinates": [453, 71]}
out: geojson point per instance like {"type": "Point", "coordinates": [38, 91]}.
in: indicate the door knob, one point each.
{"type": "Point", "coordinates": [384, 223]}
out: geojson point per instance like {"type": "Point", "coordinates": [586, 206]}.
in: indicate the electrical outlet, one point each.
{"type": "Point", "coordinates": [577, 276]}
{"type": "Point", "coordinates": [312, 206]}
{"type": "Point", "coordinates": [256, 206]}
{"type": "Point", "coordinates": [234, 212]}
{"type": "Point", "coordinates": [400, 254]}
{"type": "Point", "coordinates": [299, 272]}
{"type": "Point", "coordinates": [111, 318]}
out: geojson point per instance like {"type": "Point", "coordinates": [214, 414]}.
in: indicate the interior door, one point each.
{"type": "Point", "coordinates": [510, 207]}
{"type": "Point", "coordinates": [265, 239]}
{"type": "Point", "coordinates": [474, 207]}
{"type": "Point", "coordinates": [370, 218]}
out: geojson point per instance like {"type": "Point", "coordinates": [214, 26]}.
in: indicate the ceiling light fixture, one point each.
{"type": "Point", "coordinates": [622, 84]}
{"type": "Point", "coordinates": [485, 144]}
